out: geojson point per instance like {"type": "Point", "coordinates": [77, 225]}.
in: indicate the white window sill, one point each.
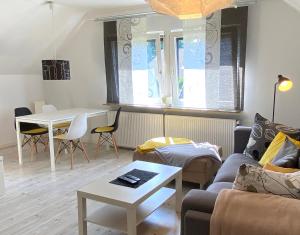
{"type": "Point", "coordinates": [171, 109]}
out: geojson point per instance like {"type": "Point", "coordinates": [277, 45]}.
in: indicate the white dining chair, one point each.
{"type": "Point", "coordinates": [48, 108]}
{"type": "Point", "coordinates": [72, 139]}
{"type": "Point", "coordinates": [38, 106]}
{"type": "Point", "coordinates": [62, 127]}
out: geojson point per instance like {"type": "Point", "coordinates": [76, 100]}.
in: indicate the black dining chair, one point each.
{"type": "Point", "coordinates": [33, 133]}
{"type": "Point", "coordinates": [106, 134]}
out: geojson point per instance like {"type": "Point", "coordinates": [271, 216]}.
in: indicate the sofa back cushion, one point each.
{"type": "Point", "coordinates": [230, 167]}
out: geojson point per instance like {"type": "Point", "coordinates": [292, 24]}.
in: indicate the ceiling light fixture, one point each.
{"type": "Point", "coordinates": [189, 9]}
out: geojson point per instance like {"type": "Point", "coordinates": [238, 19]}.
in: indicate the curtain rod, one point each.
{"type": "Point", "coordinates": [111, 18]}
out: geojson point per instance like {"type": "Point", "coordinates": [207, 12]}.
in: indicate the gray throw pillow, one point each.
{"type": "Point", "coordinates": [262, 134]}
{"type": "Point", "coordinates": [258, 180]}
{"type": "Point", "coordinates": [288, 155]}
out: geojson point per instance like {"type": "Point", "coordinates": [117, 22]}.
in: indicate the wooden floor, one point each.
{"type": "Point", "coordinates": [38, 202]}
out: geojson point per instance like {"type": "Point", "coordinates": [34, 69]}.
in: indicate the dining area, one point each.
{"type": "Point", "coordinates": [62, 131]}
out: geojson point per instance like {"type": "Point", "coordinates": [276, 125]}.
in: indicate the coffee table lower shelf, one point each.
{"type": "Point", "coordinates": [116, 217]}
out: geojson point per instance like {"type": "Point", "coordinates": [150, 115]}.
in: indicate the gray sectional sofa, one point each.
{"type": "Point", "coordinates": [198, 205]}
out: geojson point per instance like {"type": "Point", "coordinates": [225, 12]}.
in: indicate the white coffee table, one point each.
{"type": "Point", "coordinates": [127, 207]}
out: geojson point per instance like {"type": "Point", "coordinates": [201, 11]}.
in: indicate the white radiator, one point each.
{"type": "Point", "coordinates": [215, 131]}
{"type": "Point", "coordinates": [136, 128]}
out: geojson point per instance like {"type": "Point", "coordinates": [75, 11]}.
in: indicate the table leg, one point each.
{"type": "Point", "coordinates": [51, 146]}
{"type": "Point", "coordinates": [82, 224]}
{"type": "Point", "coordinates": [20, 154]}
{"type": "Point", "coordinates": [178, 195]}
{"type": "Point", "coordinates": [131, 221]}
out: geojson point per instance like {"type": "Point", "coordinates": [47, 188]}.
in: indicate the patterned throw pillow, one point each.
{"type": "Point", "coordinates": [262, 134]}
{"type": "Point", "coordinates": [255, 179]}
{"type": "Point", "coordinates": [288, 155]}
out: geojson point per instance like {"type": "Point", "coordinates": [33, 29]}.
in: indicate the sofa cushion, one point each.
{"type": "Point", "coordinates": [230, 167]}
{"type": "Point", "coordinates": [218, 186]}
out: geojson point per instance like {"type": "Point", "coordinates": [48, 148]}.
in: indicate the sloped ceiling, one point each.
{"type": "Point", "coordinates": [26, 36]}
{"type": "Point", "coordinates": [294, 3]}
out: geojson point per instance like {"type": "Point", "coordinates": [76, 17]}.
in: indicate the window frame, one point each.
{"type": "Point", "coordinates": [173, 64]}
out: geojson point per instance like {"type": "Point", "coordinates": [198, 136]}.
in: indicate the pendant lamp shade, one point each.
{"type": "Point", "coordinates": [56, 70]}
{"type": "Point", "coordinates": [189, 9]}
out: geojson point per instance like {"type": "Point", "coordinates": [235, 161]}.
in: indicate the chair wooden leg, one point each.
{"type": "Point", "coordinates": [84, 151]}
{"type": "Point", "coordinates": [31, 143]}
{"type": "Point", "coordinates": [45, 142]}
{"type": "Point", "coordinates": [24, 141]}
{"type": "Point", "coordinates": [115, 144]}
{"type": "Point", "coordinates": [98, 144]}
{"type": "Point", "coordinates": [58, 150]}
{"type": "Point", "coordinates": [72, 154]}
{"type": "Point", "coordinates": [35, 145]}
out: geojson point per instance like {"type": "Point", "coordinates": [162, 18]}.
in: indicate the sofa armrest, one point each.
{"type": "Point", "coordinates": [197, 200]}
{"type": "Point", "coordinates": [196, 223]}
{"type": "Point", "coordinates": [241, 138]}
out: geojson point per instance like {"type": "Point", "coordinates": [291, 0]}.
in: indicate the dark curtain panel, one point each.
{"type": "Point", "coordinates": [233, 48]}
{"type": "Point", "coordinates": [111, 61]}
{"type": "Point", "coordinates": [230, 59]}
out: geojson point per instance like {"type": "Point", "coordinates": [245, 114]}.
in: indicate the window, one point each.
{"type": "Point", "coordinates": [196, 64]}
{"type": "Point", "coordinates": [189, 64]}
{"type": "Point", "coordinates": [179, 67]}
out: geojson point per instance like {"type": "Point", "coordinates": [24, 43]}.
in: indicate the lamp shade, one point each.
{"type": "Point", "coordinates": [284, 83]}
{"type": "Point", "coordinates": [189, 9]}
{"type": "Point", "coordinates": [56, 70]}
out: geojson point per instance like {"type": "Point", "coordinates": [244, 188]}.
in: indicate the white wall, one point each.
{"type": "Point", "coordinates": [87, 87]}
{"type": "Point", "coordinates": [273, 48]}
{"type": "Point", "coordinates": [16, 91]}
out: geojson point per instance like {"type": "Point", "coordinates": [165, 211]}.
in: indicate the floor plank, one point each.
{"type": "Point", "coordinates": [39, 202]}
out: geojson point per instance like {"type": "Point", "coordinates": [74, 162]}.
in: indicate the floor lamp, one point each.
{"type": "Point", "coordinates": [283, 84]}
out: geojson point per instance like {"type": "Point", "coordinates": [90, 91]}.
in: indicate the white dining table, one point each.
{"type": "Point", "coordinates": [50, 119]}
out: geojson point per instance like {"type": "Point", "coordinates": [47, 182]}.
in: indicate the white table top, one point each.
{"type": "Point", "coordinates": [60, 115]}
{"type": "Point", "coordinates": [102, 190]}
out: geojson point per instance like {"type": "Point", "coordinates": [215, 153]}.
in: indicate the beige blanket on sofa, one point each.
{"type": "Point", "coordinates": [243, 213]}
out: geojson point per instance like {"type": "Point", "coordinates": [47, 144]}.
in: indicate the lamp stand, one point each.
{"type": "Point", "coordinates": [274, 101]}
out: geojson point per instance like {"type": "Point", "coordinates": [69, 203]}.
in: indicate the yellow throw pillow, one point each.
{"type": "Point", "coordinates": [274, 168]}
{"type": "Point", "coordinates": [275, 146]}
